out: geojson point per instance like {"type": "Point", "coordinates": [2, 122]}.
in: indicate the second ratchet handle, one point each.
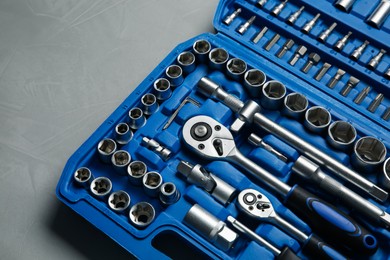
{"type": "Point", "coordinates": [328, 221]}
{"type": "Point", "coordinates": [318, 249]}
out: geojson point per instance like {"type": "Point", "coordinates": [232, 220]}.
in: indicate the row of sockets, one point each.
{"type": "Point", "coordinates": [339, 45]}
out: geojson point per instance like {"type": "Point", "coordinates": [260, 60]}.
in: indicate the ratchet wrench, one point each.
{"type": "Point", "coordinates": [258, 206]}
{"type": "Point", "coordinates": [210, 139]}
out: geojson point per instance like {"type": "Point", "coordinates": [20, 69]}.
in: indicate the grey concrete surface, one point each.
{"type": "Point", "coordinates": [65, 65]}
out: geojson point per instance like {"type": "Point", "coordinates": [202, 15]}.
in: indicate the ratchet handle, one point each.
{"type": "Point", "coordinates": [318, 249]}
{"type": "Point", "coordinates": [287, 254]}
{"type": "Point", "coordinates": [328, 221]}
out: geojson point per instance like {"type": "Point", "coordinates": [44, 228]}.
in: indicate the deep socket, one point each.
{"type": "Point", "coordinates": [344, 5]}
{"type": "Point", "coordinates": [174, 74]}
{"type": "Point", "coordinates": [380, 14]}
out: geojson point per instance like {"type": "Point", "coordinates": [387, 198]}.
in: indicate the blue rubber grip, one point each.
{"type": "Point", "coordinates": [329, 222]}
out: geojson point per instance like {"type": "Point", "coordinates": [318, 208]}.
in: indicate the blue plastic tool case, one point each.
{"type": "Point", "coordinates": [167, 235]}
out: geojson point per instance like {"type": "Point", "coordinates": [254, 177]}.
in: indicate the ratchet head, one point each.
{"type": "Point", "coordinates": [209, 138]}
{"type": "Point", "coordinates": [255, 205]}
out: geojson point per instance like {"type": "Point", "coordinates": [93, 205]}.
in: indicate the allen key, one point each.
{"type": "Point", "coordinates": [260, 35]}
{"type": "Point", "coordinates": [268, 46]}
{"type": "Point", "coordinates": [173, 116]}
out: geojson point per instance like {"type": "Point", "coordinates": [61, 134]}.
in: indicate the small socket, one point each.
{"type": "Point", "coordinates": [236, 68]}
{"type": "Point", "coordinates": [244, 27]}
{"type": "Point", "coordinates": [254, 79]}
{"type": "Point", "coordinates": [162, 89]}
{"type": "Point", "coordinates": [279, 8]}
{"type": "Point", "coordinates": [345, 5]}
{"type": "Point", "coordinates": [201, 50]}
{"type": "Point", "coordinates": [369, 153]}
{"type": "Point", "coordinates": [341, 135]}
{"type": "Point", "coordinates": [120, 160]}
{"type": "Point", "coordinates": [385, 176]}
{"type": "Point", "coordinates": [106, 148]}
{"type": "Point", "coordinates": [142, 214]}
{"type": "Point", "coordinates": [174, 74]}
{"type": "Point", "coordinates": [152, 182]}
{"type": "Point", "coordinates": [355, 55]}
{"type": "Point", "coordinates": [295, 105]}
{"type": "Point", "coordinates": [169, 194]}
{"type": "Point", "coordinates": [317, 119]}
{"type": "Point", "coordinates": [83, 177]}
{"type": "Point", "coordinates": [137, 118]}
{"type": "Point", "coordinates": [123, 134]}
{"type": "Point", "coordinates": [186, 60]}
{"type": "Point", "coordinates": [273, 94]}
{"type": "Point", "coordinates": [119, 201]}
{"type": "Point", "coordinates": [149, 104]}
{"type": "Point", "coordinates": [136, 172]}
{"type": "Point", "coordinates": [101, 187]}
{"type": "Point", "coordinates": [218, 57]}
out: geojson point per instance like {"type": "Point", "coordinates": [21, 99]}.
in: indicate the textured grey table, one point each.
{"type": "Point", "coordinates": [64, 67]}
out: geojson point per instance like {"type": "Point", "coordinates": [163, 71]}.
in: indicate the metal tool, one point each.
{"type": "Point", "coordinates": [201, 50]}
{"type": "Point", "coordinates": [136, 172]}
{"type": "Point", "coordinates": [373, 63]}
{"type": "Point", "coordinates": [186, 60]}
{"type": "Point", "coordinates": [176, 112]}
{"type": "Point", "coordinates": [199, 176]}
{"type": "Point", "coordinates": [279, 8]}
{"type": "Point", "coordinates": [169, 194]}
{"type": "Point", "coordinates": [375, 103]}
{"type": "Point", "coordinates": [100, 188]}
{"type": "Point", "coordinates": [286, 46]}
{"type": "Point", "coordinates": [380, 14]}
{"type": "Point", "coordinates": [341, 135]}
{"type": "Point", "coordinates": [368, 153]}
{"type": "Point", "coordinates": [310, 24]}
{"type": "Point", "coordinates": [313, 59]}
{"type": "Point", "coordinates": [210, 227]}
{"type": "Point", "coordinates": [355, 55]}
{"type": "Point", "coordinates": [387, 73]}
{"type": "Point", "coordinates": [299, 53]}
{"type": "Point", "coordinates": [174, 74]}
{"type": "Point", "coordinates": [230, 18]}
{"type": "Point", "coordinates": [268, 46]}
{"type": "Point", "coordinates": [352, 82]}
{"type": "Point", "coordinates": [362, 95]}
{"type": "Point", "coordinates": [153, 145]}
{"type": "Point", "coordinates": [152, 182]}
{"type": "Point", "coordinates": [123, 134]}
{"type": "Point", "coordinates": [149, 104]}
{"type": "Point", "coordinates": [119, 201]}
{"type": "Point", "coordinates": [254, 79]}
{"type": "Point", "coordinates": [244, 27]}
{"type": "Point", "coordinates": [210, 139]}
{"type": "Point", "coordinates": [260, 35]}
{"type": "Point", "coordinates": [218, 57]}
{"type": "Point", "coordinates": [106, 148]}
{"type": "Point", "coordinates": [257, 206]}
{"type": "Point", "coordinates": [286, 253]}
{"type": "Point", "coordinates": [273, 94]}
{"type": "Point", "coordinates": [325, 34]}
{"type": "Point", "coordinates": [384, 178]}
{"type": "Point", "coordinates": [313, 173]}
{"type": "Point", "coordinates": [336, 78]}
{"type": "Point", "coordinates": [344, 5]}
{"type": "Point", "coordinates": [294, 16]}
{"type": "Point", "coordinates": [120, 160]}
{"type": "Point", "coordinates": [261, 3]}
{"type": "Point", "coordinates": [249, 112]}
{"type": "Point", "coordinates": [137, 118]}
{"type": "Point", "coordinates": [321, 72]}
{"type": "Point", "coordinates": [317, 119]}
{"type": "Point", "coordinates": [142, 214]}
{"type": "Point", "coordinates": [162, 89]}
{"type": "Point", "coordinates": [236, 68]}
{"type": "Point", "coordinates": [386, 114]}
{"type": "Point", "coordinates": [339, 46]}
{"type": "Point", "coordinates": [259, 142]}
{"type": "Point", "coordinates": [295, 105]}
{"type": "Point", "coordinates": [83, 177]}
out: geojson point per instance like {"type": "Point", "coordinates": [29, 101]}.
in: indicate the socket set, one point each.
{"type": "Point", "coordinates": [266, 140]}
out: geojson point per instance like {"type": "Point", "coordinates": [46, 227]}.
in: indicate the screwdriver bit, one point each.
{"type": "Point", "coordinates": [341, 43]}
{"type": "Point", "coordinates": [314, 58]}
{"type": "Point", "coordinates": [272, 42]}
{"type": "Point", "coordinates": [359, 51]}
{"type": "Point", "coordinates": [325, 34]}
{"type": "Point", "coordinates": [278, 9]}
{"type": "Point", "coordinates": [362, 95]}
{"type": "Point", "coordinates": [260, 35]}
{"type": "Point", "coordinates": [352, 82]}
{"type": "Point", "coordinates": [294, 16]}
{"type": "Point", "coordinates": [286, 46]}
{"type": "Point", "coordinates": [376, 59]}
{"type": "Point", "coordinates": [261, 3]}
{"type": "Point", "coordinates": [387, 73]}
{"type": "Point", "coordinates": [244, 27]}
{"type": "Point", "coordinates": [230, 18]}
{"type": "Point", "coordinates": [321, 72]}
{"type": "Point", "coordinates": [333, 81]}
{"type": "Point", "coordinates": [309, 25]}
{"type": "Point", "coordinates": [299, 52]}
{"type": "Point", "coordinates": [386, 114]}
{"type": "Point", "coordinates": [375, 103]}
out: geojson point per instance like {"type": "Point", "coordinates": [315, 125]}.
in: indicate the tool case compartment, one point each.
{"type": "Point", "coordinates": [167, 236]}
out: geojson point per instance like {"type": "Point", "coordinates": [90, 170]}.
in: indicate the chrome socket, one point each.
{"type": "Point", "coordinates": [123, 133]}
{"type": "Point", "coordinates": [152, 182]}
{"type": "Point", "coordinates": [341, 135]}
{"type": "Point", "coordinates": [236, 68]}
{"type": "Point", "coordinates": [137, 118]}
{"type": "Point", "coordinates": [136, 172]}
{"type": "Point", "coordinates": [174, 74]}
{"type": "Point", "coordinates": [106, 148]}
{"type": "Point", "coordinates": [309, 25]}
{"type": "Point", "coordinates": [279, 8]}
{"type": "Point", "coordinates": [373, 63]}
{"type": "Point", "coordinates": [230, 18]}
{"type": "Point", "coordinates": [162, 88]}
{"type": "Point", "coordinates": [339, 46]}
{"type": "Point", "coordinates": [295, 105]}
{"type": "Point", "coordinates": [273, 94]}
{"type": "Point", "coordinates": [169, 194]}
{"type": "Point", "coordinates": [186, 60]}
{"type": "Point", "coordinates": [142, 214]}
{"type": "Point", "coordinates": [325, 34]}
{"type": "Point", "coordinates": [385, 177]}
{"type": "Point", "coordinates": [294, 16]}
{"type": "Point", "coordinates": [344, 5]}
{"type": "Point", "coordinates": [210, 227]}
{"type": "Point", "coordinates": [244, 27]}
{"type": "Point", "coordinates": [254, 79]}
{"type": "Point", "coordinates": [101, 188]}
{"type": "Point", "coordinates": [317, 119]}
{"type": "Point", "coordinates": [119, 201]}
{"type": "Point", "coordinates": [218, 57]}
{"type": "Point", "coordinates": [201, 50]}
{"type": "Point", "coordinates": [149, 104]}
{"type": "Point", "coordinates": [369, 152]}
{"type": "Point", "coordinates": [83, 177]}
{"type": "Point", "coordinates": [359, 51]}
{"type": "Point", "coordinates": [120, 160]}
{"type": "Point", "coordinates": [380, 14]}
